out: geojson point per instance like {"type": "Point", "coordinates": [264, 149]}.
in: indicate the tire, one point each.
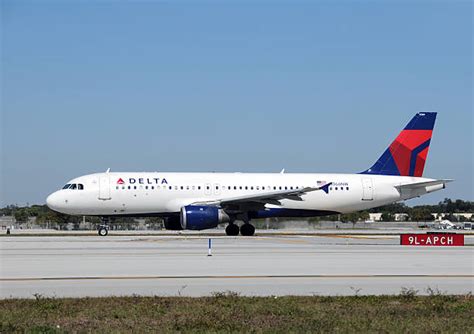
{"type": "Point", "coordinates": [232, 230]}
{"type": "Point", "coordinates": [103, 231]}
{"type": "Point", "coordinates": [247, 230]}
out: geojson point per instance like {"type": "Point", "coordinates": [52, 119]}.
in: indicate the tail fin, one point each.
{"type": "Point", "coordinates": [406, 156]}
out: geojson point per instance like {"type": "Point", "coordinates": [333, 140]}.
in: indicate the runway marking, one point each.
{"type": "Point", "coordinates": [82, 278]}
{"type": "Point", "coordinates": [348, 236]}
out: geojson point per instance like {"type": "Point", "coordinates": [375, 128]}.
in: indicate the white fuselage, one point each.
{"type": "Point", "coordinates": [142, 194]}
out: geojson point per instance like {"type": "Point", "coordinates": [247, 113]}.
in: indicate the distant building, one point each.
{"type": "Point", "coordinates": [376, 217]}
{"type": "Point", "coordinates": [441, 216]}
{"type": "Point", "coordinates": [6, 221]}
{"type": "Point", "coordinates": [401, 217]}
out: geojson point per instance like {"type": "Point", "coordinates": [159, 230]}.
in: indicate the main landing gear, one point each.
{"type": "Point", "coordinates": [103, 228]}
{"type": "Point", "coordinates": [245, 230]}
{"type": "Point", "coordinates": [232, 229]}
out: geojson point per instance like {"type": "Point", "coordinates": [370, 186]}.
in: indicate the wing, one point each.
{"type": "Point", "coordinates": [256, 201]}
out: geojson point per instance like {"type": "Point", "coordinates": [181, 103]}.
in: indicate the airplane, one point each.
{"type": "Point", "coordinates": [198, 201]}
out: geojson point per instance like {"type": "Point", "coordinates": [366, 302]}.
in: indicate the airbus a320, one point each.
{"type": "Point", "coordinates": [198, 201]}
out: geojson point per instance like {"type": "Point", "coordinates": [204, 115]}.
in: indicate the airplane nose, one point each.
{"type": "Point", "coordinates": [53, 201]}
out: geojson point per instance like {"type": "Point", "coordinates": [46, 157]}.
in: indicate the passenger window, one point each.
{"type": "Point", "coordinates": [199, 187]}
{"type": "Point", "coordinates": [347, 188]}
{"type": "Point", "coordinates": [251, 188]}
{"type": "Point", "coordinates": [170, 187]}
{"type": "Point", "coordinates": [336, 188]}
{"type": "Point", "coordinates": [129, 187]}
{"type": "Point", "coordinates": [134, 187]}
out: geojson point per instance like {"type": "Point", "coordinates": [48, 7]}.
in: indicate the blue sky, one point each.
{"type": "Point", "coordinates": [204, 86]}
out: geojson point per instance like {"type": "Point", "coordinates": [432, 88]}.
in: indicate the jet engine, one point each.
{"type": "Point", "coordinates": [197, 217]}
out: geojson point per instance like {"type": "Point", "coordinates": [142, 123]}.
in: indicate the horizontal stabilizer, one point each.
{"type": "Point", "coordinates": [419, 185]}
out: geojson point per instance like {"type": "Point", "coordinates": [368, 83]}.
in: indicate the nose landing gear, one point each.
{"type": "Point", "coordinates": [103, 228]}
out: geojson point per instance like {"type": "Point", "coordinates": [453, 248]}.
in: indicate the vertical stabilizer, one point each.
{"type": "Point", "coordinates": [406, 156]}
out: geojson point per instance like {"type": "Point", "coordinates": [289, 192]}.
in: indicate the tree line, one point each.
{"type": "Point", "coordinates": [44, 215]}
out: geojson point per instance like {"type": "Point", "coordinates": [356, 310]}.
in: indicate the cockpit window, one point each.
{"type": "Point", "coordinates": [74, 186]}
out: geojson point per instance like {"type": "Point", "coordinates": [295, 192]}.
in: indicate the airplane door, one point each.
{"type": "Point", "coordinates": [367, 189]}
{"type": "Point", "coordinates": [104, 187]}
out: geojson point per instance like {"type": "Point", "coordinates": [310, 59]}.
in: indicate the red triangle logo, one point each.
{"type": "Point", "coordinates": [120, 181]}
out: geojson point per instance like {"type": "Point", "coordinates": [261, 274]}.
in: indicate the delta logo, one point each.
{"type": "Point", "coordinates": [142, 180]}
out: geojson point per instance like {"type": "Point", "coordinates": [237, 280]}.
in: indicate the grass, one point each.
{"type": "Point", "coordinates": [228, 312]}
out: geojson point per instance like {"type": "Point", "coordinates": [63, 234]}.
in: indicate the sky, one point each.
{"type": "Point", "coordinates": [321, 86]}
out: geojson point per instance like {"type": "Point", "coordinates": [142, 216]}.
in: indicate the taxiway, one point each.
{"type": "Point", "coordinates": [338, 264]}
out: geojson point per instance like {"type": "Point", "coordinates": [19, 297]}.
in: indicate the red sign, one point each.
{"type": "Point", "coordinates": [435, 239]}
{"type": "Point", "coordinates": [120, 181]}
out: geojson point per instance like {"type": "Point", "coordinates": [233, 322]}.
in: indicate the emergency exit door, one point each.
{"type": "Point", "coordinates": [367, 189]}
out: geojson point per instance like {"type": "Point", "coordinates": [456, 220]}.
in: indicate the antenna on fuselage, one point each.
{"type": "Point", "coordinates": [108, 170]}
{"type": "Point", "coordinates": [282, 171]}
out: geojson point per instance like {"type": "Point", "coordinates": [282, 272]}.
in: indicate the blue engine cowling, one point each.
{"type": "Point", "coordinates": [200, 217]}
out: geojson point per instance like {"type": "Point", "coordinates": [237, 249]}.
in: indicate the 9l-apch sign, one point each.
{"type": "Point", "coordinates": [432, 239]}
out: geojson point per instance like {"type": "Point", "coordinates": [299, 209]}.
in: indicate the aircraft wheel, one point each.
{"type": "Point", "coordinates": [232, 230]}
{"type": "Point", "coordinates": [103, 231]}
{"type": "Point", "coordinates": [247, 229]}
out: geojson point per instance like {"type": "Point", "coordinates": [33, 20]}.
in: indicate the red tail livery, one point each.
{"type": "Point", "coordinates": [406, 156]}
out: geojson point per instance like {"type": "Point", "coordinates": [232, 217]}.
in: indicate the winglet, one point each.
{"type": "Point", "coordinates": [325, 188]}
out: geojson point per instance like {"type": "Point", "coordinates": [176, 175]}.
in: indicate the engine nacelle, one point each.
{"type": "Point", "coordinates": [200, 217]}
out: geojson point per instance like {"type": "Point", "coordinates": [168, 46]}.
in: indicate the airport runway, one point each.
{"type": "Point", "coordinates": [267, 265]}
